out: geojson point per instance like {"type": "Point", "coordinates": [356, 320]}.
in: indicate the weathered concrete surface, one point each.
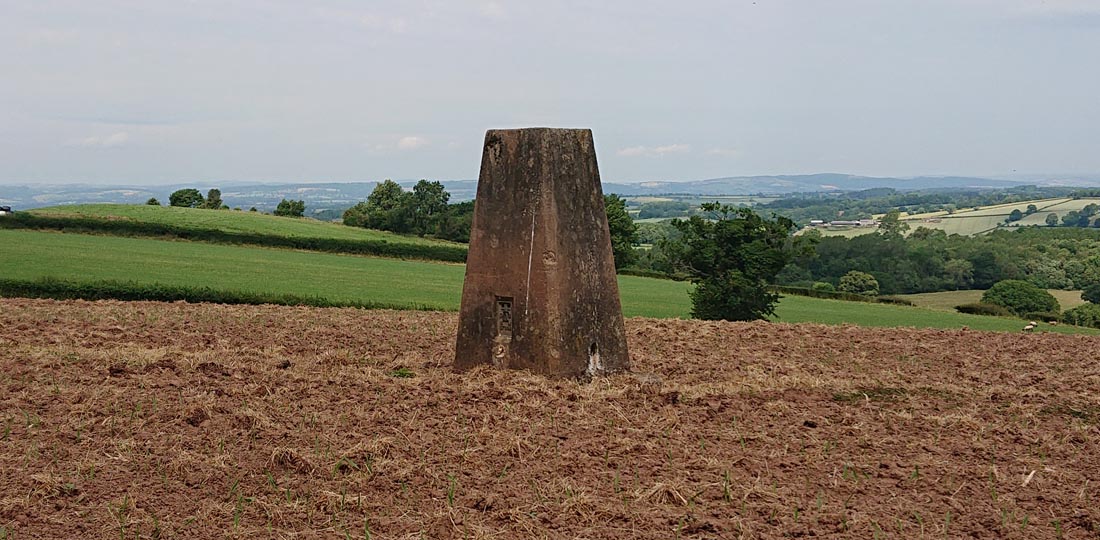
{"type": "Point", "coordinates": [540, 290]}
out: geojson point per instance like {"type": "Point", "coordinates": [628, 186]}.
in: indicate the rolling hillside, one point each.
{"type": "Point", "coordinates": [974, 221]}
{"type": "Point", "coordinates": [33, 255]}
{"type": "Point", "coordinates": [230, 221]}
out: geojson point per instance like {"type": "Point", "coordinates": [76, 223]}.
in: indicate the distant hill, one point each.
{"type": "Point", "coordinates": [774, 185]}
{"type": "Point", "coordinates": [341, 195]}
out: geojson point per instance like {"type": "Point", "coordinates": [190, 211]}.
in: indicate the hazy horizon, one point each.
{"type": "Point", "coordinates": [121, 92]}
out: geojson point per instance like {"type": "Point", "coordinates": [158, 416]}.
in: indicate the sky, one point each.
{"type": "Point", "coordinates": [147, 92]}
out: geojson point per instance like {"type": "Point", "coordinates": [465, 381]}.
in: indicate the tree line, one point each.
{"type": "Point", "coordinates": [193, 198]}
{"type": "Point", "coordinates": [423, 211]}
{"type": "Point", "coordinates": [867, 203]}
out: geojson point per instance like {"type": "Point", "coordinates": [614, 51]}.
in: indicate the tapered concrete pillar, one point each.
{"type": "Point", "coordinates": [540, 290]}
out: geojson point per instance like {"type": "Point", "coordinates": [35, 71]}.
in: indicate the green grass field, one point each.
{"type": "Point", "coordinates": [947, 300]}
{"type": "Point", "coordinates": [230, 221]}
{"type": "Point", "coordinates": [32, 255]}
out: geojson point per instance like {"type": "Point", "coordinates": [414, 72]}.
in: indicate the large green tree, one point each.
{"type": "Point", "coordinates": [857, 282]}
{"type": "Point", "coordinates": [1091, 293]}
{"type": "Point", "coordinates": [624, 233]}
{"type": "Point", "coordinates": [186, 198]}
{"type": "Point", "coordinates": [214, 200]}
{"type": "Point", "coordinates": [288, 208]}
{"type": "Point", "coordinates": [1020, 297]}
{"type": "Point", "coordinates": [385, 209]}
{"type": "Point", "coordinates": [426, 205]}
{"type": "Point", "coordinates": [731, 260]}
{"type": "Point", "coordinates": [892, 225]}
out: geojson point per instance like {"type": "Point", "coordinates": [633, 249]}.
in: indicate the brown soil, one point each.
{"type": "Point", "coordinates": [148, 420]}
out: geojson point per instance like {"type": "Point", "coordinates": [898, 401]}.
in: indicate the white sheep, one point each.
{"type": "Point", "coordinates": [1029, 327]}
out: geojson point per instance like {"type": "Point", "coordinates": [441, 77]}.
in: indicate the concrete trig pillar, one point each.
{"type": "Point", "coordinates": [540, 290]}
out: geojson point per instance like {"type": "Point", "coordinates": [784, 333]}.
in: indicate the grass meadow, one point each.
{"type": "Point", "coordinates": [230, 221]}
{"type": "Point", "coordinates": [85, 258]}
{"type": "Point", "coordinates": [947, 300]}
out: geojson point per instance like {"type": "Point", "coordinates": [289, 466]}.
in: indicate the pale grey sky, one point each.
{"type": "Point", "coordinates": [148, 92]}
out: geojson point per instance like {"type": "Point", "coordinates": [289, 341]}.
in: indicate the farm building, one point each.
{"type": "Point", "coordinates": [5, 210]}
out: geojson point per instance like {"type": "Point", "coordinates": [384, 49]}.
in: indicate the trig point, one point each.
{"type": "Point", "coordinates": [540, 290]}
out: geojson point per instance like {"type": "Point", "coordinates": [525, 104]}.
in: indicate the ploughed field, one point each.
{"type": "Point", "coordinates": [150, 420]}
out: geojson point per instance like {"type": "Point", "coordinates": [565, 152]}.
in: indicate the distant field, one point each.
{"type": "Point", "coordinates": [231, 221]}
{"type": "Point", "coordinates": [1060, 208]}
{"type": "Point", "coordinates": [987, 218]}
{"type": "Point", "coordinates": [847, 232]}
{"type": "Point", "coordinates": [805, 309]}
{"type": "Point", "coordinates": [947, 300]}
{"type": "Point", "coordinates": [970, 221]}
{"type": "Point", "coordinates": [694, 200]}
{"type": "Point", "coordinates": [31, 255]}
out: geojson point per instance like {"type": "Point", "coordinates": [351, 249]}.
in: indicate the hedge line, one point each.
{"type": "Point", "coordinates": [837, 295]}
{"type": "Point", "coordinates": [129, 290]}
{"type": "Point", "coordinates": [641, 272]}
{"type": "Point", "coordinates": [125, 227]}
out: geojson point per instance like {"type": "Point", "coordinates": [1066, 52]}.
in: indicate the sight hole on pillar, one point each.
{"type": "Point", "coordinates": [595, 366]}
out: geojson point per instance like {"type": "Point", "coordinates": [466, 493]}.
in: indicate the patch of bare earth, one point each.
{"type": "Point", "coordinates": [148, 420]}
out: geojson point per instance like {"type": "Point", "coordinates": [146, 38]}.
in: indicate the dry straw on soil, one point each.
{"type": "Point", "coordinates": [146, 420]}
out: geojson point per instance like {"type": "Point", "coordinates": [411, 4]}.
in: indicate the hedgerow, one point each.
{"type": "Point", "coordinates": [58, 289]}
{"type": "Point", "coordinates": [124, 227]}
{"type": "Point", "coordinates": [838, 295]}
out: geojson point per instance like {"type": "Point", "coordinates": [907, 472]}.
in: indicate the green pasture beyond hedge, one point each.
{"type": "Point", "coordinates": [232, 227]}
{"type": "Point", "coordinates": [88, 265]}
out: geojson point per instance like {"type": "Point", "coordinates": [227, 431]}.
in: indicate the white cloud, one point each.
{"type": "Point", "coordinates": [724, 152]}
{"type": "Point", "coordinates": [408, 142]}
{"type": "Point", "coordinates": [632, 151]}
{"type": "Point", "coordinates": [105, 141]}
{"type": "Point", "coordinates": [654, 151]}
{"type": "Point", "coordinates": [411, 142]}
{"type": "Point", "coordinates": [672, 149]}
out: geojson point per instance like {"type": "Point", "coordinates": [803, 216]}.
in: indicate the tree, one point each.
{"type": "Point", "coordinates": [960, 272]}
{"type": "Point", "coordinates": [1015, 215]}
{"type": "Point", "coordinates": [731, 261]}
{"type": "Point", "coordinates": [624, 233]}
{"type": "Point", "coordinates": [456, 222]}
{"type": "Point", "coordinates": [1083, 315]}
{"type": "Point", "coordinates": [253, 209]}
{"type": "Point", "coordinates": [857, 282]}
{"type": "Point", "coordinates": [1052, 220]}
{"type": "Point", "coordinates": [652, 233]}
{"type": "Point", "coordinates": [892, 225]}
{"type": "Point", "coordinates": [385, 209]}
{"type": "Point", "coordinates": [663, 209]}
{"type": "Point", "coordinates": [1031, 209]}
{"type": "Point", "coordinates": [1020, 297]}
{"type": "Point", "coordinates": [152, 202]}
{"type": "Point", "coordinates": [213, 199]}
{"type": "Point", "coordinates": [290, 208]}
{"type": "Point", "coordinates": [1091, 293]}
{"type": "Point", "coordinates": [186, 198]}
{"type": "Point", "coordinates": [427, 204]}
